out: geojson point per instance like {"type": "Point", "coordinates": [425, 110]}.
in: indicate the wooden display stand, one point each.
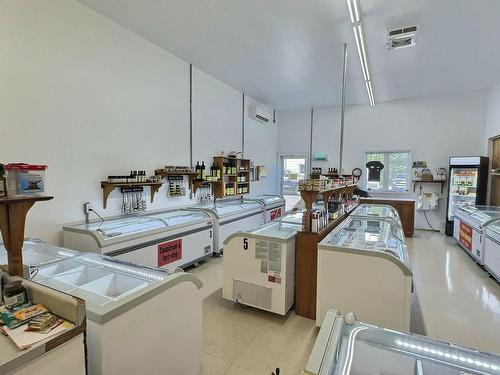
{"type": "Point", "coordinates": [306, 254]}
{"type": "Point", "coordinates": [242, 170]}
{"type": "Point", "coordinates": [12, 221]}
{"type": "Point", "coordinates": [108, 187]}
{"type": "Point", "coordinates": [405, 208]}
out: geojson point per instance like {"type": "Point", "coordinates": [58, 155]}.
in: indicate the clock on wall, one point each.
{"type": "Point", "coordinates": [357, 172]}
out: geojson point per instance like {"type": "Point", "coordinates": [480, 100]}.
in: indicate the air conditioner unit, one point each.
{"type": "Point", "coordinates": [258, 113]}
{"type": "Point", "coordinates": [402, 37]}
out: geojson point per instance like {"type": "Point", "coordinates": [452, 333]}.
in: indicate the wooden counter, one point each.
{"type": "Point", "coordinates": [405, 208]}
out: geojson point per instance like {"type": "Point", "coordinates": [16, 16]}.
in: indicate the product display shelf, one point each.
{"type": "Point", "coordinates": [12, 220]}
{"type": "Point", "coordinates": [108, 187]}
{"type": "Point", "coordinates": [163, 174]}
{"type": "Point", "coordinates": [242, 170]}
{"type": "Point", "coordinates": [441, 182]}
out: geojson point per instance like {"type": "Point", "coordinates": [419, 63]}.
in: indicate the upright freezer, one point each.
{"type": "Point", "coordinates": [231, 216]}
{"type": "Point", "coordinates": [140, 320]}
{"type": "Point", "coordinates": [167, 239]}
{"type": "Point", "coordinates": [347, 346]}
{"type": "Point", "coordinates": [467, 185]}
{"type": "Point", "coordinates": [363, 266]}
{"type": "Point", "coordinates": [274, 204]}
{"type": "Point", "coordinates": [469, 228]}
{"type": "Point", "coordinates": [259, 267]}
{"type": "Point", "coordinates": [492, 250]}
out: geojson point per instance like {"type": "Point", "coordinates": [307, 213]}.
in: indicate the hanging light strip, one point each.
{"type": "Point", "coordinates": [357, 28]}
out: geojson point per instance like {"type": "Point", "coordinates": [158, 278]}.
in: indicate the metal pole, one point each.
{"type": "Point", "coordinates": [342, 109]}
{"type": "Point", "coordinates": [191, 115]}
{"type": "Point", "coordinates": [243, 126]}
{"type": "Point", "coordinates": [311, 142]}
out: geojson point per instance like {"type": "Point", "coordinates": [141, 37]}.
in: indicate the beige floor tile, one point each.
{"type": "Point", "coordinates": [228, 348]}
{"type": "Point", "coordinates": [236, 370]}
{"type": "Point", "coordinates": [213, 365]}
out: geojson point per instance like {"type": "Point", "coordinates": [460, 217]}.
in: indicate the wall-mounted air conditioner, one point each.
{"type": "Point", "coordinates": [258, 113]}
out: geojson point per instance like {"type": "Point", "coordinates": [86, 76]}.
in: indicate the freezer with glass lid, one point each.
{"type": "Point", "coordinates": [492, 249]}
{"type": "Point", "coordinates": [376, 210]}
{"type": "Point", "coordinates": [469, 226]}
{"type": "Point", "coordinates": [347, 346]}
{"type": "Point", "coordinates": [232, 216]}
{"type": "Point", "coordinates": [140, 320]}
{"type": "Point", "coordinates": [168, 239]}
{"type": "Point", "coordinates": [274, 204]}
{"type": "Point", "coordinates": [364, 267]}
{"type": "Point", "coordinates": [259, 267]}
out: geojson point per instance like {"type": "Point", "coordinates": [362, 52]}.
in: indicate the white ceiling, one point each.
{"type": "Point", "coordinates": [288, 53]}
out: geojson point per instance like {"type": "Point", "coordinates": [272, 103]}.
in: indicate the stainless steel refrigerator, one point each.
{"type": "Point", "coordinates": [468, 185]}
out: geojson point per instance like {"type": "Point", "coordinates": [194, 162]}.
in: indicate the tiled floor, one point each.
{"type": "Point", "coordinates": [457, 300]}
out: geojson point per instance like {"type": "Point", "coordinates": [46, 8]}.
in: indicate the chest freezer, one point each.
{"type": "Point", "coordinates": [168, 239]}
{"type": "Point", "coordinates": [37, 253]}
{"type": "Point", "coordinates": [293, 217]}
{"type": "Point", "coordinates": [346, 346]}
{"type": "Point", "coordinates": [259, 267]}
{"type": "Point", "coordinates": [469, 225]}
{"type": "Point", "coordinates": [492, 250]}
{"type": "Point", "coordinates": [231, 217]}
{"type": "Point", "coordinates": [364, 266]}
{"type": "Point", "coordinates": [376, 211]}
{"type": "Point", "coordinates": [133, 312]}
{"type": "Point", "coordinates": [274, 204]}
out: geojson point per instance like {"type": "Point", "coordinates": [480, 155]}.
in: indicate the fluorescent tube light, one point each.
{"type": "Point", "coordinates": [357, 28]}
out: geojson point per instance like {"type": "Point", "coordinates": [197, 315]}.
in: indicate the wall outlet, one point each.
{"type": "Point", "coordinates": [86, 208]}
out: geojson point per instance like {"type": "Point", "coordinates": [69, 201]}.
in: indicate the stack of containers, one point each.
{"type": "Point", "coordinates": [25, 179]}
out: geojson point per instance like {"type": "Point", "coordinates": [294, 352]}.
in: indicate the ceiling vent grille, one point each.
{"type": "Point", "coordinates": [402, 37]}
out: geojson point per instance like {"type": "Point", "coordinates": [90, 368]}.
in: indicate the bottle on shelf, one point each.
{"type": "Point", "coordinates": [203, 173]}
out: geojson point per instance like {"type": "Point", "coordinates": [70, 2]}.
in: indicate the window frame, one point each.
{"type": "Point", "coordinates": [386, 175]}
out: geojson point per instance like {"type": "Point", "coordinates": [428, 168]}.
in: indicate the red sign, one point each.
{"type": "Point", "coordinates": [274, 279]}
{"type": "Point", "coordinates": [169, 252]}
{"type": "Point", "coordinates": [276, 213]}
{"type": "Point", "coordinates": [465, 236]}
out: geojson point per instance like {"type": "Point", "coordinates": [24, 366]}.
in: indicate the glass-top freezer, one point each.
{"type": "Point", "coordinates": [359, 348]}
{"type": "Point", "coordinates": [122, 226]}
{"type": "Point", "coordinates": [277, 230]}
{"type": "Point", "coordinates": [179, 217]}
{"type": "Point", "coordinates": [229, 208]}
{"type": "Point", "coordinates": [293, 218]}
{"type": "Point", "coordinates": [268, 200]}
{"type": "Point", "coordinates": [376, 210]}
{"type": "Point", "coordinates": [480, 214]}
{"type": "Point", "coordinates": [369, 234]}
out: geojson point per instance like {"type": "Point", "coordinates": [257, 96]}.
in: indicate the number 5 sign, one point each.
{"type": "Point", "coordinates": [245, 243]}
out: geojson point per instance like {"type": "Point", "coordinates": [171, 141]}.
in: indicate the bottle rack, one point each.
{"type": "Point", "coordinates": [235, 181]}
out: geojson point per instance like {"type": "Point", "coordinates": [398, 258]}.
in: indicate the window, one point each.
{"type": "Point", "coordinates": [394, 177]}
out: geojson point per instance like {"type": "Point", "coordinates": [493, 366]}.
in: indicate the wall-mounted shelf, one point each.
{"type": "Point", "coordinates": [12, 220]}
{"type": "Point", "coordinates": [108, 187]}
{"type": "Point", "coordinates": [442, 182]}
{"type": "Point", "coordinates": [219, 187]}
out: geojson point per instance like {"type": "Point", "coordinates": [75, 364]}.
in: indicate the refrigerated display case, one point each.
{"type": "Point", "coordinates": [469, 228]}
{"type": "Point", "coordinates": [467, 185]}
{"type": "Point", "coordinates": [130, 307]}
{"type": "Point", "coordinates": [274, 204]}
{"type": "Point", "coordinates": [259, 267]}
{"type": "Point", "coordinates": [231, 216]}
{"type": "Point", "coordinates": [376, 211]}
{"type": "Point", "coordinates": [293, 217]}
{"type": "Point", "coordinates": [364, 266]}
{"type": "Point", "coordinates": [347, 346]}
{"type": "Point", "coordinates": [492, 250]}
{"type": "Point", "coordinates": [168, 239]}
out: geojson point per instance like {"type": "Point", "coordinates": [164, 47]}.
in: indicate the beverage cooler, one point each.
{"type": "Point", "coordinates": [364, 266]}
{"type": "Point", "coordinates": [275, 205]}
{"type": "Point", "coordinates": [347, 346]}
{"type": "Point", "coordinates": [259, 267]}
{"type": "Point", "coordinates": [469, 228]}
{"type": "Point", "coordinates": [167, 239]}
{"type": "Point", "coordinates": [467, 185]}
{"type": "Point", "coordinates": [133, 309]}
{"type": "Point", "coordinates": [231, 216]}
{"type": "Point", "coordinates": [492, 250]}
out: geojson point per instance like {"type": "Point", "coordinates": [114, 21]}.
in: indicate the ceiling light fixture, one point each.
{"type": "Point", "coordinates": [357, 28]}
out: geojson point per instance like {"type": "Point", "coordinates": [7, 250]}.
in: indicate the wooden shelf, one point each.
{"type": "Point", "coordinates": [13, 211]}
{"type": "Point", "coordinates": [108, 187]}
{"type": "Point", "coordinates": [442, 182]}
{"type": "Point", "coordinates": [230, 179]}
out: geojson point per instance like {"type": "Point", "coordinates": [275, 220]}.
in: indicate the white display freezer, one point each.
{"type": "Point", "coordinates": [167, 239]}
{"type": "Point", "coordinates": [376, 211]}
{"type": "Point", "coordinates": [275, 205]}
{"type": "Point", "coordinates": [363, 266]}
{"type": "Point", "coordinates": [140, 320]}
{"type": "Point", "coordinates": [347, 346]}
{"type": "Point", "coordinates": [293, 217]}
{"type": "Point", "coordinates": [469, 225]}
{"type": "Point", "coordinates": [232, 216]}
{"type": "Point", "coordinates": [492, 250]}
{"type": "Point", "coordinates": [259, 267]}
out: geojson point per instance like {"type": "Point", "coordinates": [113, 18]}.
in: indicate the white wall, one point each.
{"type": "Point", "coordinates": [91, 99]}
{"type": "Point", "coordinates": [432, 128]}
{"type": "Point", "coordinates": [493, 114]}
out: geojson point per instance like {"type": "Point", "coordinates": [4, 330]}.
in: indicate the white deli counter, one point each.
{"type": "Point", "coordinates": [167, 239]}
{"type": "Point", "coordinates": [231, 216]}
{"type": "Point", "coordinates": [275, 205]}
{"type": "Point", "coordinates": [133, 312]}
{"type": "Point", "coordinates": [492, 250]}
{"type": "Point", "coordinates": [363, 266]}
{"type": "Point", "coordinates": [469, 225]}
{"type": "Point", "coordinates": [346, 346]}
{"type": "Point", "coordinates": [259, 267]}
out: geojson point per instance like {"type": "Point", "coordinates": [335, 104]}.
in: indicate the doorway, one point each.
{"type": "Point", "coordinates": [293, 168]}
{"type": "Point", "coordinates": [495, 176]}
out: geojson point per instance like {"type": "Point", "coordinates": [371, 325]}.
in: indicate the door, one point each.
{"type": "Point", "coordinates": [293, 169]}
{"type": "Point", "coordinates": [495, 175]}
{"type": "Point", "coordinates": [463, 188]}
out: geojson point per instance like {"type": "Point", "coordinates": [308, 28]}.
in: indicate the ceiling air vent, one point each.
{"type": "Point", "coordinates": [402, 37]}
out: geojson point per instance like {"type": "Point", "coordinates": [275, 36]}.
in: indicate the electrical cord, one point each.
{"type": "Point", "coordinates": [99, 216]}
{"type": "Point", "coordinates": [428, 223]}
{"type": "Point", "coordinates": [241, 305]}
